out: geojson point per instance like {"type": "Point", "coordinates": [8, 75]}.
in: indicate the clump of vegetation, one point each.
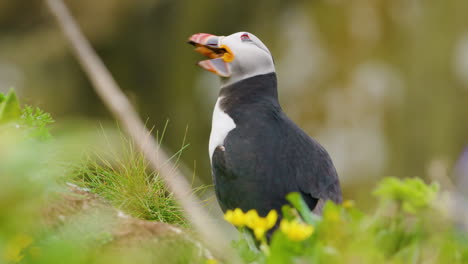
{"type": "Point", "coordinates": [34, 167]}
{"type": "Point", "coordinates": [407, 228]}
{"type": "Point", "coordinates": [30, 122]}
{"type": "Point", "coordinates": [126, 181]}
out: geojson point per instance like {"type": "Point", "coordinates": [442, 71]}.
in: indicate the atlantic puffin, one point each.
{"type": "Point", "coordinates": [257, 154]}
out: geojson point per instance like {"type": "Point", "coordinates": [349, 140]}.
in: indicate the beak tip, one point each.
{"type": "Point", "coordinates": [199, 38]}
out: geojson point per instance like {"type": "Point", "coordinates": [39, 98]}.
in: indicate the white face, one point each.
{"type": "Point", "coordinates": [251, 57]}
{"type": "Point", "coordinates": [236, 57]}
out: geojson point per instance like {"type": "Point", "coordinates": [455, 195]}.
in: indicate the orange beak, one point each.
{"type": "Point", "coordinates": [220, 55]}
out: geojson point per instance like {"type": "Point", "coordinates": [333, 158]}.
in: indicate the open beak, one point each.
{"type": "Point", "coordinates": [219, 55]}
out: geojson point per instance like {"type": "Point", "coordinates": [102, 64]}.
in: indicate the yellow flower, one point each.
{"type": "Point", "coordinates": [236, 217]}
{"type": "Point", "coordinates": [260, 225]}
{"type": "Point", "coordinates": [15, 247]}
{"type": "Point", "coordinates": [348, 204]}
{"type": "Point", "coordinates": [211, 261]}
{"type": "Point", "coordinates": [296, 231]}
{"type": "Point", "coordinates": [332, 215]}
{"type": "Point", "coordinates": [251, 219]}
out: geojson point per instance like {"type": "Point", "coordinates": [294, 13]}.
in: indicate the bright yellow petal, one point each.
{"type": "Point", "coordinates": [228, 215]}
{"type": "Point", "coordinates": [251, 218]}
{"type": "Point", "coordinates": [259, 233]}
{"type": "Point", "coordinates": [236, 217]}
{"type": "Point", "coordinates": [284, 226]}
{"type": "Point", "coordinates": [239, 218]}
{"type": "Point", "coordinates": [296, 231]}
{"type": "Point", "coordinates": [271, 218]}
{"type": "Point", "coordinates": [238, 212]}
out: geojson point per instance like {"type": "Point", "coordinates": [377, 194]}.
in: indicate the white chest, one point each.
{"type": "Point", "coordinates": [221, 124]}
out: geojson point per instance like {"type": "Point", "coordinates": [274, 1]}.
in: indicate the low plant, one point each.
{"type": "Point", "coordinates": [34, 170]}
{"type": "Point", "coordinates": [406, 228]}
{"type": "Point", "coordinates": [125, 180]}
{"type": "Point", "coordinates": [27, 121]}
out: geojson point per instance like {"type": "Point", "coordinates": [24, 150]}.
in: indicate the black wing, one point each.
{"type": "Point", "coordinates": [266, 157]}
{"type": "Point", "coordinates": [314, 170]}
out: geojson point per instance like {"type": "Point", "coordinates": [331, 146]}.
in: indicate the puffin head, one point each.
{"type": "Point", "coordinates": [235, 57]}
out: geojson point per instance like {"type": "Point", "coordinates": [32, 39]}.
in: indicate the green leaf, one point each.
{"type": "Point", "coordinates": [288, 212]}
{"type": "Point", "coordinates": [412, 193]}
{"type": "Point", "coordinates": [282, 250]}
{"type": "Point", "coordinates": [247, 248]}
{"type": "Point", "coordinates": [36, 122]}
{"type": "Point", "coordinates": [9, 107]}
{"type": "Point", "coordinates": [301, 206]}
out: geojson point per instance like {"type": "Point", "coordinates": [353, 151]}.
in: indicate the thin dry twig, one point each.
{"type": "Point", "coordinates": [115, 100]}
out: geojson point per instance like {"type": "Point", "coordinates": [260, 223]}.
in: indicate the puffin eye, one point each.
{"type": "Point", "coordinates": [245, 37]}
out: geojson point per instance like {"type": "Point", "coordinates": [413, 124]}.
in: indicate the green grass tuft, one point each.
{"type": "Point", "coordinates": [126, 181]}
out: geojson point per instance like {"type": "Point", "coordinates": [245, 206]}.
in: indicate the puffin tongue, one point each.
{"type": "Point", "coordinates": [217, 66]}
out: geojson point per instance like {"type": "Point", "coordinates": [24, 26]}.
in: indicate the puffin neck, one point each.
{"type": "Point", "coordinates": [257, 89]}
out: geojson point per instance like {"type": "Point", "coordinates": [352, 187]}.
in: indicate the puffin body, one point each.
{"type": "Point", "coordinates": [258, 155]}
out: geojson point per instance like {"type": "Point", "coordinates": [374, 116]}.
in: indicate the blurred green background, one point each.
{"type": "Point", "coordinates": [383, 85]}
